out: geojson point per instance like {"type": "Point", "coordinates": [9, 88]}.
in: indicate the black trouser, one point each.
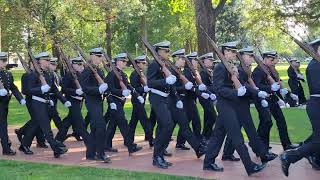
{"type": "Point", "coordinates": [4, 103]}
{"type": "Point", "coordinates": [54, 114]}
{"type": "Point", "coordinates": [244, 114]}
{"type": "Point", "coordinates": [190, 106]}
{"type": "Point", "coordinates": [39, 121]}
{"type": "Point", "coordinates": [165, 123]}
{"type": "Point", "coordinates": [227, 124]}
{"type": "Point", "coordinates": [152, 120]}
{"type": "Point", "coordinates": [75, 119]}
{"type": "Point", "coordinates": [26, 126]}
{"type": "Point", "coordinates": [179, 117]}
{"type": "Point", "coordinates": [139, 113]}
{"type": "Point", "coordinates": [117, 118]}
{"type": "Point", "coordinates": [209, 116]}
{"type": "Point", "coordinates": [87, 120]}
{"type": "Point", "coordinates": [297, 88]}
{"type": "Point", "coordinates": [94, 105]}
{"type": "Point", "coordinates": [313, 146]}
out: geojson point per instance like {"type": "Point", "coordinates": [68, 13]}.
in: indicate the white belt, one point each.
{"type": "Point", "coordinates": [315, 95]}
{"type": "Point", "coordinates": [160, 93]}
{"type": "Point", "coordinates": [77, 97]}
{"type": "Point", "coordinates": [40, 99]}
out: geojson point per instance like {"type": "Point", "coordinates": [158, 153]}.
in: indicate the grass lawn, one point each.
{"type": "Point", "coordinates": [19, 170]}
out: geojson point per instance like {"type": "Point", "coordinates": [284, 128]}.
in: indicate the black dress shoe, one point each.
{"type": "Point", "coordinates": [257, 168]}
{"type": "Point", "coordinates": [151, 143]}
{"type": "Point", "coordinates": [166, 153]}
{"type": "Point", "coordinates": [285, 164]}
{"type": "Point", "coordinates": [134, 149]}
{"type": "Point", "coordinates": [158, 162]}
{"type": "Point", "coordinates": [42, 145]}
{"type": "Point", "coordinates": [91, 158]}
{"type": "Point", "coordinates": [9, 152]}
{"type": "Point", "coordinates": [58, 151]}
{"type": "Point", "coordinates": [78, 138]}
{"type": "Point", "coordinates": [201, 151]}
{"type": "Point", "coordinates": [182, 147]}
{"type": "Point", "coordinates": [19, 135]}
{"type": "Point", "coordinates": [213, 167]}
{"type": "Point", "coordinates": [25, 150]}
{"type": "Point", "coordinates": [291, 146]}
{"type": "Point", "coordinates": [167, 162]}
{"type": "Point", "coordinates": [230, 158]}
{"type": "Point", "coordinates": [114, 150]}
{"type": "Point", "coordinates": [104, 159]}
{"type": "Point", "coordinates": [268, 157]}
{"type": "Point", "coordinates": [314, 162]}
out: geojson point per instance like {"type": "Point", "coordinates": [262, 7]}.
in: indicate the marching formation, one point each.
{"type": "Point", "coordinates": [225, 88]}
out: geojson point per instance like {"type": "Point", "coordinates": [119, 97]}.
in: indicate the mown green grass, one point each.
{"type": "Point", "coordinates": [19, 170]}
{"type": "Point", "coordinates": [297, 120]}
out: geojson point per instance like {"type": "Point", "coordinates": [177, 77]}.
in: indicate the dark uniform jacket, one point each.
{"type": "Point", "coordinates": [8, 82]}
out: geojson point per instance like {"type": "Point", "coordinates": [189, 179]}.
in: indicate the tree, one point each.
{"type": "Point", "coordinates": [206, 17]}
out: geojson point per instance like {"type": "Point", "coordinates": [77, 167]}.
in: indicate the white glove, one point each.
{"type": "Point", "coordinates": [256, 88]}
{"type": "Point", "coordinates": [281, 103]}
{"type": "Point", "coordinates": [113, 106]}
{"type": "Point", "coordinates": [284, 92]}
{"type": "Point", "coordinates": [300, 76]}
{"type": "Point", "coordinates": [126, 92]}
{"type": "Point", "coordinates": [51, 103]}
{"type": "Point", "coordinates": [67, 104]}
{"type": "Point", "coordinates": [263, 94]}
{"type": "Point", "coordinates": [264, 103]}
{"type": "Point", "coordinates": [202, 87]}
{"type": "Point", "coordinates": [171, 79]}
{"type": "Point", "coordinates": [45, 88]}
{"type": "Point", "coordinates": [275, 87]}
{"type": "Point", "coordinates": [146, 89]}
{"type": "Point", "coordinates": [79, 91]}
{"type": "Point", "coordinates": [141, 100]}
{"type": "Point", "coordinates": [179, 104]}
{"type": "Point", "coordinates": [205, 95]}
{"type": "Point", "coordinates": [188, 85]}
{"type": "Point", "coordinates": [288, 105]}
{"type": "Point", "coordinates": [23, 101]}
{"type": "Point", "coordinates": [242, 91]}
{"type": "Point", "coordinates": [3, 92]}
{"type": "Point", "coordinates": [213, 97]}
{"type": "Point", "coordinates": [103, 87]}
{"type": "Point", "coordinates": [294, 97]}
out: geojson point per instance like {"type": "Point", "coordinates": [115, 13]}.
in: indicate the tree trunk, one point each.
{"type": "Point", "coordinates": [108, 36]}
{"type": "Point", "coordinates": [144, 22]}
{"type": "Point", "coordinates": [206, 16]}
{"type": "Point", "coordinates": [0, 38]}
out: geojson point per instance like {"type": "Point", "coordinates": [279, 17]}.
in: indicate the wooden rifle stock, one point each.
{"type": "Point", "coordinates": [143, 78]}
{"type": "Point", "coordinates": [164, 69]}
{"type": "Point", "coordinates": [115, 71]}
{"type": "Point", "coordinates": [24, 64]}
{"type": "Point", "coordinates": [194, 72]}
{"type": "Point", "coordinates": [178, 72]}
{"type": "Point", "coordinates": [94, 71]}
{"type": "Point", "coordinates": [37, 68]}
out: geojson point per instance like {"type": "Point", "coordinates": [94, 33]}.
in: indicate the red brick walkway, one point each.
{"type": "Point", "coordinates": [185, 162]}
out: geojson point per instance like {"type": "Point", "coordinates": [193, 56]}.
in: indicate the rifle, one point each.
{"type": "Point", "coordinates": [194, 72]}
{"type": "Point", "coordinates": [37, 68]}
{"type": "Point", "coordinates": [69, 68]}
{"type": "Point", "coordinates": [177, 71]}
{"type": "Point", "coordinates": [247, 70]}
{"type": "Point", "coordinates": [24, 64]}
{"type": "Point", "coordinates": [164, 69]}
{"type": "Point", "coordinates": [305, 47]}
{"type": "Point", "coordinates": [205, 68]}
{"type": "Point", "coordinates": [222, 58]}
{"type": "Point", "coordinates": [143, 78]}
{"type": "Point", "coordinates": [115, 71]}
{"type": "Point", "coordinates": [94, 71]}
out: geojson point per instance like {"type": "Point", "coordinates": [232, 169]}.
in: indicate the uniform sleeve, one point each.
{"type": "Point", "coordinates": [219, 88]}
{"type": "Point", "coordinates": [112, 81]}
{"type": "Point", "coordinates": [152, 73]}
{"type": "Point", "coordinates": [259, 78]}
{"type": "Point", "coordinates": [85, 84]}
{"type": "Point", "coordinates": [15, 91]}
{"type": "Point", "coordinates": [135, 82]}
{"type": "Point", "coordinates": [34, 88]}
{"type": "Point", "coordinates": [66, 82]}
